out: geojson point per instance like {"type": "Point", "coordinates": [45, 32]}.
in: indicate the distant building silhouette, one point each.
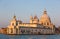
{"type": "Point", "coordinates": [35, 26]}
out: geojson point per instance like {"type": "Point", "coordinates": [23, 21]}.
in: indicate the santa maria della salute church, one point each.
{"type": "Point", "coordinates": [35, 26]}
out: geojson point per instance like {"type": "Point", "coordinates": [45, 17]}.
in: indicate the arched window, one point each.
{"type": "Point", "coordinates": [16, 30]}
{"type": "Point", "coordinates": [44, 23]}
{"type": "Point", "coordinates": [23, 31]}
{"type": "Point", "coordinates": [11, 30]}
{"type": "Point", "coordinates": [17, 23]}
{"type": "Point", "coordinates": [13, 24]}
{"type": "Point", "coordinates": [47, 23]}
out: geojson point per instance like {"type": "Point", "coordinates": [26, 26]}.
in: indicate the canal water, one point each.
{"type": "Point", "coordinates": [2, 36]}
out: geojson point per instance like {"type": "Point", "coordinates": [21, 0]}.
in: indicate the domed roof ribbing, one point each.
{"type": "Point", "coordinates": [35, 17]}
{"type": "Point", "coordinates": [45, 16]}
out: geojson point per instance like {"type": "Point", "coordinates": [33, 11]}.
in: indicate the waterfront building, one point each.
{"type": "Point", "coordinates": [35, 26]}
{"type": "Point", "coordinates": [3, 31]}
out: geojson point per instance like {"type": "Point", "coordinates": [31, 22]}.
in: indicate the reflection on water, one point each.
{"type": "Point", "coordinates": [38, 37]}
{"type": "Point", "coordinates": [29, 36]}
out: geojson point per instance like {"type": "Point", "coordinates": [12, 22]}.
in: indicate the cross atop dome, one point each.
{"type": "Point", "coordinates": [14, 17]}
{"type": "Point", "coordinates": [44, 9]}
{"type": "Point", "coordinates": [45, 12]}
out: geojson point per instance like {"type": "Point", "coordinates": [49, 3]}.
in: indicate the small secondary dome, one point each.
{"type": "Point", "coordinates": [35, 17]}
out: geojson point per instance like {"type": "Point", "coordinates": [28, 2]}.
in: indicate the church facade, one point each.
{"type": "Point", "coordinates": [35, 26]}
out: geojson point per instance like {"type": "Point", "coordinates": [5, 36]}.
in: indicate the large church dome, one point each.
{"type": "Point", "coordinates": [45, 19]}
{"type": "Point", "coordinates": [45, 16]}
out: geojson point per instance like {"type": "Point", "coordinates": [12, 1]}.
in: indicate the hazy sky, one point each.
{"type": "Point", "coordinates": [24, 8]}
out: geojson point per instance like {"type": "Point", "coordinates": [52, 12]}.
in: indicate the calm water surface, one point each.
{"type": "Point", "coordinates": [29, 36]}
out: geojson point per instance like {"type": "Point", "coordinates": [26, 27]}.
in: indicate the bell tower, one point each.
{"type": "Point", "coordinates": [31, 19]}
{"type": "Point", "coordinates": [13, 21]}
